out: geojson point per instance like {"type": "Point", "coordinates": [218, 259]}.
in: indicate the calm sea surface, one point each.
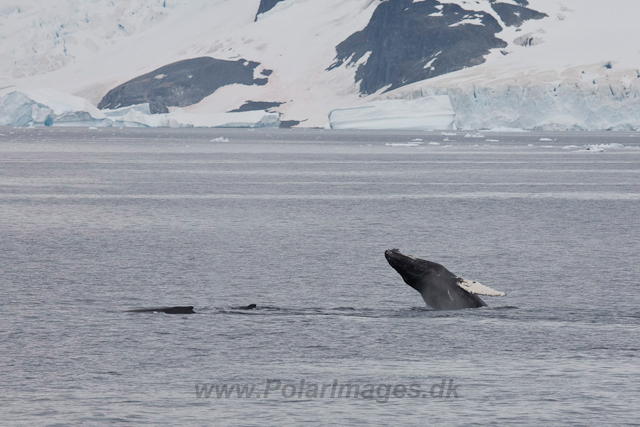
{"type": "Point", "coordinates": [96, 222]}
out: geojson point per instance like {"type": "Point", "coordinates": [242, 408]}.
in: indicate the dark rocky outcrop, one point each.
{"type": "Point", "coordinates": [257, 105]}
{"type": "Point", "coordinates": [411, 41]}
{"type": "Point", "coordinates": [288, 124]}
{"type": "Point", "coordinates": [181, 84]}
{"type": "Point", "coordinates": [513, 15]}
{"type": "Point", "coordinates": [266, 5]}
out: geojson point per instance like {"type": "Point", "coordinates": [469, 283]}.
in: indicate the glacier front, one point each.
{"type": "Point", "coordinates": [423, 113]}
{"type": "Point", "coordinates": [579, 98]}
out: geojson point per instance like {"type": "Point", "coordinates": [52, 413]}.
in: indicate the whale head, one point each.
{"type": "Point", "coordinates": [414, 270]}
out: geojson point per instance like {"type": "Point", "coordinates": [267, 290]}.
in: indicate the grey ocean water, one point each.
{"type": "Point", "coordinates": [94, 222]}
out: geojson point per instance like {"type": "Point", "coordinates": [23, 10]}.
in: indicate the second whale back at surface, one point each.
{"type": "Point", "coordinates": [167, 310]}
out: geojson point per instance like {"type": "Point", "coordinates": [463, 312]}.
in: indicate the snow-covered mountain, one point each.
{"type": "Point", "coordinates": [537, 64]}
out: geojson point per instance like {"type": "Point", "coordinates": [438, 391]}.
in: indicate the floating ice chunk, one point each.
{"type": "Point", "coordinates": [220, 139]}
{"type": "Point", "coordinates": [433, 143]}
{"type": "Point", "coordinates": [491, 140]}
{"type": "Point", "coordinates": [546, 139]}
{"type": "Point", "coordinates": [416, 140]}
{"type": "Point", "coordinates": [569, 147]}
{"type": "Point", "coordinates": [600, 148]}
{"type": "Point", "coordinates": [530, 145]}
{"type": "Point", "coordinates": [180, 119]}
{"type": "Point", "coordinates": [448, 134]}
{"type": "Point", "coordinates": [612, 145]}
{"type": "Point", "coordinates": [593, 149]}
{"type": "Point", "coordinates": [474, 135]}
{"type": "Point", "coordinates": [506, 129]}
{"type": "Point", "coordinates": [403, 144]}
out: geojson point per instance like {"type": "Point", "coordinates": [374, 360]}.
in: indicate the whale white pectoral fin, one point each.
{"type": "Point", "coordinates": [478, 288]}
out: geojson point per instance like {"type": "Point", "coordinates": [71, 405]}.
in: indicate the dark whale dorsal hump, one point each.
{"type": "Point", "coordinates": [167, 310]}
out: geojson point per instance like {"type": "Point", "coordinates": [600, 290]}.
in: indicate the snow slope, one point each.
{"type": "Point", "coordinates": [296, 39]}
{"type": "Point", "coordinates": [577, 68]}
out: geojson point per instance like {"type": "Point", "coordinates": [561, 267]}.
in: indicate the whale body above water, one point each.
{"type": "Point", "coordinates": [440, 288]}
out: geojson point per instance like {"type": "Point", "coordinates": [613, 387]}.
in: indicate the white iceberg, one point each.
{"type": "Point", "coordinates": [434, 112]}
{"type": "Point", "coordinates": [403, 144]}
{"type": "Point", "coordinates": [48, 107]}
{"type": "Point", "coordinates": [138, 116]}
{"type": "Point", "coordinates": [506, 130]}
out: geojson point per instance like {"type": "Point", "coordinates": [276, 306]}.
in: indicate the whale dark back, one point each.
{"type": "Point", "coordinates": [168, 310]}
{"type": "Point", "coordinates": [437, 285]}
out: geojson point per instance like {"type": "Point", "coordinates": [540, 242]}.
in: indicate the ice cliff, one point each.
{"type": "Point", "coordinates": [47, 107]}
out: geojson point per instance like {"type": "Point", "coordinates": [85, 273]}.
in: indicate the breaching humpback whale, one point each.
{"type": "Point", "coordinates": [168, 310]}
{"type": "Point", "coordinates": [440, 288]}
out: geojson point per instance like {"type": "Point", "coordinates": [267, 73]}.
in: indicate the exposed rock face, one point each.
{"type": "Point", "coordinates": [266, 5]}
{"type": "Point", "coordinates": [181, 84]}
{"type": "Point", "coordinates": [257, 105]}
{"type": "Point", "coordinates": [513, 15]}
{"type": "Point", "coordinates": [407, 42]}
